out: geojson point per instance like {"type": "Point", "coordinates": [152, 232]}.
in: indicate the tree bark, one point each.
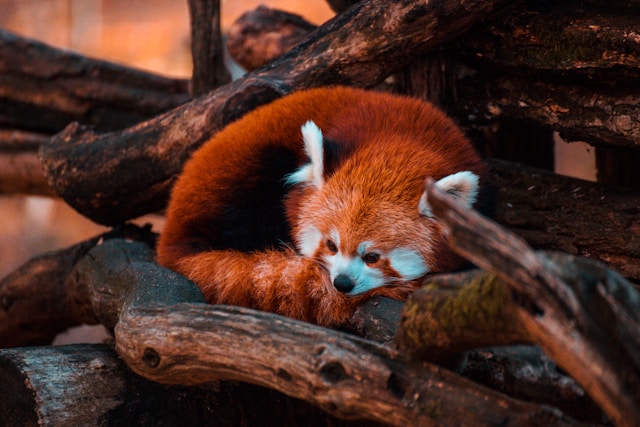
{"type": "Point", "coordinates": [261, 35]}
{"type": "Point", "coordinates": [564, 67]}
{"type": "Point", "coordinates": [90, 385]}
{"type": "Point", "coordinates": [44, 89]}
{"type": "Point", "coordinates": [209, 70]}
{"type": "Point", "coordinates": [440, 321]}
{"type": "Point", "coordinates": [116, 284]}
{"type": "Point", "coordinates": [359, 47]}
{"type": "Point", "coordinates": [42, 298]}
{"type": "Point", "coordinates": [344, 375]}
{"type": "Point", "coordinates": [552, 212]}
{"type": "Point", "coordinates": [585, 317]}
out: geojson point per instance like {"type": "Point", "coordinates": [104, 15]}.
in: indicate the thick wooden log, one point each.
{"type": "Point", "coordinates": [359, 47]}
{"type": "Point", "coordinates": [89, 385]}
{"type": "Point", "coordinates": [552, 212]}
{"type": "Point", "coordinates": [590, 42]}
{"type": "Point", "coordinates": [587, 318]}
{"type": "Point", "coordinates": [441, 320]}
{"type": "Point", "coordinates": [346, 376]}
{"type": "Point", "coordinates": [600, 114]}
{"type": "Point", "coordinates": [44, 89]}
{"type": "Point", "coordinates": [503, 70]}
{"type": "Point", "coordinates": [564, 66]}
{"type": "Point", "coordinates": [43, 297]}
{"type": "Point", "coordinates": [209, 70]}
{"type": "Point", "coordinates": [261, 35]}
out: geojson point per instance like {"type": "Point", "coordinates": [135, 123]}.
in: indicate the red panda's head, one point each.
{"type": "Point", "coordinates": [368, 222]}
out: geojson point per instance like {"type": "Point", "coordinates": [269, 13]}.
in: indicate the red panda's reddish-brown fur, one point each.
{"type": "Point", "coordinates": [231, 216]}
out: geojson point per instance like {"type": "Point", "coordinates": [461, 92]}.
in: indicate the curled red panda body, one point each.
{"type": "Point", "coordinates": [309, 205]}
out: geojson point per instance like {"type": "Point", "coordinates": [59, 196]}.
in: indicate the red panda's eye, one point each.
{"type": "Point", "coordinates": [371, 258]}
{"type": "Point", "coordinates": [332, 246]}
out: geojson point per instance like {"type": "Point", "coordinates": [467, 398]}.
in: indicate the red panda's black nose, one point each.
{"type": "Point", "coordinates": [343, 283]}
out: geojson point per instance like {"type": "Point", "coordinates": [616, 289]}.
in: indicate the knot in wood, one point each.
{"type": "Point", "coordinates": [151, 358]}
{"type": "Point", "coordinates": [333, 372]}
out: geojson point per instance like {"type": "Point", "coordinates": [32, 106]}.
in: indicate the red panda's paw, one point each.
{"type": "Point", "coordinates": [328, 307]}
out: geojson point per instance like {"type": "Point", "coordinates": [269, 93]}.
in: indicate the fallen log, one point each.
{"type": "Point", "coordinates": [44, 89]}
{"type": "Point", "coordinates": [41, 298]}
{"type": "Point", "coordinates": [90, 385]}
{"type": "Point", "coordinates": [259, 36]}
{"type": "Point", "coordinates": [553, 212]}
{"type": "Point", "coordinates": [116, 284]}
{"type": "Point", "coordinates": [136, 167]}
{"type": "Point", "coordinates": [346, 376]}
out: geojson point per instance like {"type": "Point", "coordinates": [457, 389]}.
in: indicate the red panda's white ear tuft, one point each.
{"type": "Point", "coordinates": [462, 186]}
{"type": "Point", "coordinates": [311, 174]}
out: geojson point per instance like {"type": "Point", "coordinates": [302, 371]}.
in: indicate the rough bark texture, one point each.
{"type": "Point", "coordinates": [557, 65]}
{"type": "Point", "coordinates": [166, 332]}
{"type": "Point", "coordinates": [44, 89]}
{"type": "Point", "coordinates": [558, 213]}
{"type": "Point", "coordinates": [344, 375]}
{"type": "Point", "coordinates": [261, 35]}
{"type": "Point", "coordinates": [89, 385]}
{"type": "Point", "coordinates": [209, 70]}
{"type": "Point", "coordinates": [360, 47]}
{"type": "Point", "coordinates": [440, 321]}
{"type": "Point", "coordinates": [587, 318]}
{"type": "Point", "coordinates": [43, 297]}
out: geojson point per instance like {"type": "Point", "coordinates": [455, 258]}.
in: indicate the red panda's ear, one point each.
{"type": "Point", "coordinates": [462, 186]}
{"type": "Point", "coordinates": [311, 174]}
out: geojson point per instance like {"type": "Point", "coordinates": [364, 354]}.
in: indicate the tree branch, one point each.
{"type": "Point", "coordinates": [44, 89]}
{"type": "Point", "coordinates": [346, 376]}
{"type": "Point", "coordinates": [360, 47]}
{"type": "Point", "coordinates": [209, 70]}
{"type": "Point", "coordinates": [116, 284]}
{"type": "Point", "coordinates": [43, 298]}
{"type": "Point", "coordinates": [585, 317]}
{"type": "Point", "coordinates": [90, 385]}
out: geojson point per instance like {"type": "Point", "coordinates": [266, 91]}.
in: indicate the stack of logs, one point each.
{"type": "Point", "coordinates": [571, 67]}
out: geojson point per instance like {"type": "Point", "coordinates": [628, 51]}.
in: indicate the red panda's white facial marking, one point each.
{"type": "Point", "coordinates": [406, 238]}
{"type": "Point", "coordinates": [353, 274]}
{"type": "Point", "coordinates": [368, 268]}
{"type": "Point", "coordinates": [408, 263]}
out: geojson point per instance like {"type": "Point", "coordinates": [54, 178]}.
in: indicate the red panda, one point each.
{"type": "Point", "coordinates": [309, 205]}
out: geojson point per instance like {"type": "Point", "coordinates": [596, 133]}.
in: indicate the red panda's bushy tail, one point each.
{"type": "Point", "coordinates": [277, 281]}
